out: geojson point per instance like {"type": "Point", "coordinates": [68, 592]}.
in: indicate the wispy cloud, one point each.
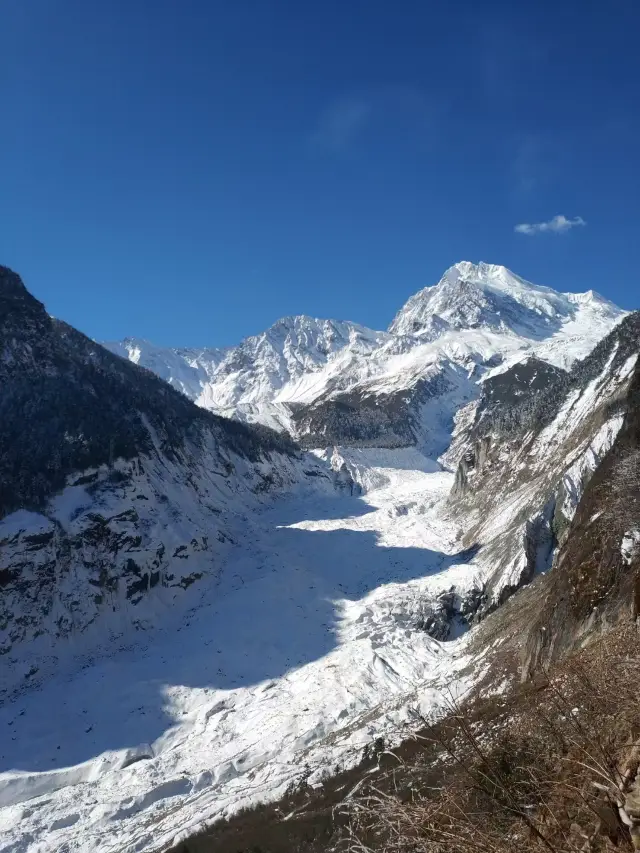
{"type": "Point", "coordinates": [345, 120]}
{"type": "Point", "coordinates": [341, 122]}
{"type": "Point", "coordinates": [528, 165]}
{"type": "Point", "coordinates": [558, 225]}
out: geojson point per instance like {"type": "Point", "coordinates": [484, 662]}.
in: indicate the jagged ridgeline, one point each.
{"type": "Point", "coordinates": [337, 382]}
{"type": "Point", "coordinates": [68, 405]}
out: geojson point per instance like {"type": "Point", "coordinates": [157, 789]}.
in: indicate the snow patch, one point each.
{"type": "Point", "coordinates": [630, 546]}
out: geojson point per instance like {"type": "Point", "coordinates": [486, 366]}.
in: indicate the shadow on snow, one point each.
{"type": "Point", "coordinates": [279, 617]}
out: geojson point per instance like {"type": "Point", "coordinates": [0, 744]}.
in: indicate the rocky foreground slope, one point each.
{"type": "Point", "coordinates": [216, 616]}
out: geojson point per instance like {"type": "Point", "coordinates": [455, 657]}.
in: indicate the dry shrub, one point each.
{"type": "Point", "coordinates": [548, 769]}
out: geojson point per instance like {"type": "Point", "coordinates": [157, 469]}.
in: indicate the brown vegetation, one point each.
{"type": "Point", "coordinates": [550, 765]}
{"type": "Point", "coordinates": [551, 768]}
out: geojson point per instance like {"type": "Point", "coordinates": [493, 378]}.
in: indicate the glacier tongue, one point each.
{"type": "Point", "coordinates": [309, 644]}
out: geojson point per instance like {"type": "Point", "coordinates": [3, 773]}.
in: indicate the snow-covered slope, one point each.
{"type": "Point", "coordinates": [311, 643]}
{"type": "Point", "coordinates": [525, 457]}
{"type": "Point", "coordinates": [256, 379]}
{"type": "Point", "coordinates": [188, 370]}
{"type": "Point", "coordinates": [488, 296]}
{"type": "Point", "coordinates": [306, 375]}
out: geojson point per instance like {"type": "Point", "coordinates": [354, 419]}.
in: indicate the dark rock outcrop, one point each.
{"type": "Point", "coordinates": [68, 405]}
{"type": "Point", "coordinates": [113, 485]}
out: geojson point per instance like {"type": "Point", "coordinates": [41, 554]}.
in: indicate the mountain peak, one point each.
{"type": "Point", "coordinates": [482, 271]}
{"type": "Point", "coordinates": [10, 281]}
{"type": "Point", "coordinates": [21, 314]}
{"type": "Point", "coordinates": [477, 312]}
{"type": "Point", "coordinates": [490, 296]}
{"type": "Point", "coordinates": [12, 289]}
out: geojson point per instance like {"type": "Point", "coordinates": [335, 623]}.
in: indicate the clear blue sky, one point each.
{"type": "Point", "coordinates": [190, 170]}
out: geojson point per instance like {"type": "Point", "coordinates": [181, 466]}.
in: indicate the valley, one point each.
{"type": "Point", "coordinates": [310, 643]}
{"type": "Point", "coordinates": [227, 576]}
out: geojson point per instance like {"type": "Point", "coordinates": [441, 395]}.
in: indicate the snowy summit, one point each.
{"type": "Point", "coordinates": [477, 313]}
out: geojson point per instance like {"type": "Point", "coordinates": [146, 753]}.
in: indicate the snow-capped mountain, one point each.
{"type": "Point", "coordinates": [188, 370]}
{"type": "Point", "coordinates": [197, 616]}
{"type": "Point", "coordinates": [338, 383]}
{"type": "Point", "coordinates": [491, 297]}
{"type": "Point", "coordinates": [255, 380]}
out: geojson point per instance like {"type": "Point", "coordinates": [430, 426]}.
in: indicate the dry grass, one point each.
{"type": "Point", "coordinates": [548, 770]}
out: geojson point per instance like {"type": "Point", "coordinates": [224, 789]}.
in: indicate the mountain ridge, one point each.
{"type": "Point", "coordinates": [115, 488]}
{"type": "Point", "coordinates": [476, 311]}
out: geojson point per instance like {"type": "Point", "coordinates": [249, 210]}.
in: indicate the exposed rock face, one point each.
{"type": "Point", "coordinates": [517, 390]}
{"type": "Point", "coordinates": [451, 614]}
{"type": "Point", "coordinates": [596, 577]}
{"type": "Point", "coordinates": [120, 545]}
{"type": "Point", "coordinates": [366, 417]}
{"type": "Point", "coordinates": [527, 459]}
{"type": "Point", "coordinates": [473, 459]}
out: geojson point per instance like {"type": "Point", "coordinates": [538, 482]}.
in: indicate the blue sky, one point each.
{"type": "Point", "coordinates": [190, 171]}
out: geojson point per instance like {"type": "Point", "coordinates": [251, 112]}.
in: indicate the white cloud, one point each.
{"type": "Point", "coordinates": [558, 225]}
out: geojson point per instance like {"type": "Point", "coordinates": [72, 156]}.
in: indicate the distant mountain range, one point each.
{"type": "Point", "coordinates": [317, 379]}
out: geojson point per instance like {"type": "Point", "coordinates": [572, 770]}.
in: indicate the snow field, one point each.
{"type": "Point", "coordinates": [304, 651]}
